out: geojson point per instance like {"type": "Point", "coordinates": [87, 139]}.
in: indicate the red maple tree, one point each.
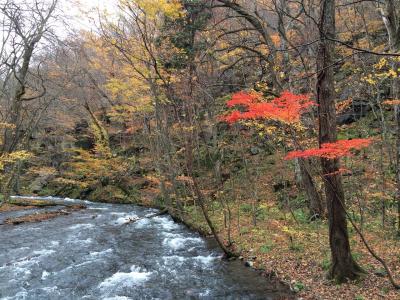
{"type": "Point", "coordinates": [243, 98]}
{"type": "Point", "coordinates": [288, 108]}
{"type": "Point", "coordinates": [331, 150]}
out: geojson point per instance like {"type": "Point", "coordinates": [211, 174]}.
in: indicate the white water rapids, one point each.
{"type": "Point", "coordinates": [97, 254]}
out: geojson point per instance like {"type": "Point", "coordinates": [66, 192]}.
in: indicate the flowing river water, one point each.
{"type": "Point", "coordinates": [98, 254]}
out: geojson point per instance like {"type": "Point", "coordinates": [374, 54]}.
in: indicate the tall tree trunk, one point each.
{"type": "Point", "coordinates": [396, 95]}
{"type": "Point", "coordinates": [391, 18]}
{"type": "Point", "coordinates": [315, 204]}
{"type": "Point", "coordinates": [305, 180]}
{"type": "Point", "coordinates": [343, 265]}
{"type": "Point", "coordinates": [202, 200]}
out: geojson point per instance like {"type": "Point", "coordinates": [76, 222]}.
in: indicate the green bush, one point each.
{"type": "Point", "coordinates": [246, 208]}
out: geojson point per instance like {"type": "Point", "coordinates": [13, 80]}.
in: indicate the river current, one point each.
{"type": "Point", "coordinates": [98, 253]}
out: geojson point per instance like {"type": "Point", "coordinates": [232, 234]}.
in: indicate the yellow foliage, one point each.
{"type": "Point", "coordinates": [43, 170]}
{"type": "Point", "coordinates": [92, 168]}
{"type": "Point", "coordinates": [382, 71]}
{"type": "Point", "coordinates": [7, 126]}
{"type": "Point", "coordinates": [153, 8]}
{"type": "Point", "coordinates": [382, 63]}
{"type": "Point", "coordinates": [10, 158]}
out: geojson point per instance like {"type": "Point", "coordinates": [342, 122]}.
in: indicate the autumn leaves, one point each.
{"type": "Point", "coordinates": [288, 109]}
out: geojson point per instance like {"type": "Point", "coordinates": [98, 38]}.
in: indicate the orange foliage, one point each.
{"type": "Point", "coordinates": [391, 102]}
{"type": "Point", "coordinates": [243, 98]}
{"type": "Point", "coordinates": [343, 105]}
{"type": "Point", "coordinates": [287, 108]}
{"type": "Point", "coordinates": [331, 150]}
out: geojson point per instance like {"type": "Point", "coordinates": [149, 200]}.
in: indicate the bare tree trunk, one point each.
{"type": "Point", "coordinates": [343, 265]}
{"type": "Point", "coordinates": [396, 95]}
{"type": "Point", "coordinates": [30, 42]}
{"type": "Point", "coordinates": [265, 39]}
{"type": "Point", "coordinates": [391, 17]}
{"type": "Point", "coordinates": [314, 199]}
{"type": "Point", "coordinates": [202, 201]}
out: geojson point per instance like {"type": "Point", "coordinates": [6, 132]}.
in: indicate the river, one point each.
{"type": "Point", "coordinates": [97, 254]}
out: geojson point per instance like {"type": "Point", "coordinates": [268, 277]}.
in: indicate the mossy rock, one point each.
{"type": "Point", "coordinates": [109, 194]}
{"type": "Point", "coordinates": [30, 202]}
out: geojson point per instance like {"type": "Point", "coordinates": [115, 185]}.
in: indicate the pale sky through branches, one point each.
{"type": "Point", "coordinates": [83, 14]}
{"type": "Point", "coordinates": [70, 17]}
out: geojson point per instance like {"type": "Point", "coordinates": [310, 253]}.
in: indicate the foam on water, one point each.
{"type": "Point", "coordinates": [44, 252]}
{"type": "Point", "coordinates": [71, 200]}
{"type": "Point", "coordinates": [206, 293]}
{"type": "Point", "coordinates": [170, 234]}
{"type": "Point", "coordinates": [127, 219]}
{"type": "Point", "coordinates": [54, 243]}
{"type": "Point", "coordinates": [22, 265]}
{"type": "Point", "coordinates": [81, 226]}
{"type": "Point", "coordinates": [50, 289]}
{"type": "Point", "coordinates": [173, 260]}
{"type": "Point", "coordinates": [142, 223]}
{"type": "Point", "coordinates": [118, 298]}
{"type": "Point", "coordinates": [118, 214]}
{"type": "Point", "coordinates": [20, 295]}
{"type": "Point", "coordinates": [166, 223]}
{"type": "Point", "coordinates": [87, 241]}
{"type": "Point", "coordinates": [124, 280]}
{"type": "Point", "coordinates": [206, 260]}
{"type": "Point", "coordinates": [99, 208]}
{"type": "Point", "coordinates": [45, 274]}
{"type": "Point", "coordinates": [85, 263]}
{"type": "Point", "coordinates": [101, 253]}
{"type": "Point", "coordinates": [24, 272]}
{"type": "Point", "coordinates": [180, 242]}
{"type": "Point", "coordinates": [74, 240]}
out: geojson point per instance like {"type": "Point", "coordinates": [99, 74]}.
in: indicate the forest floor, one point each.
{"type": "Point", "coordinates": [301, 257]}
{"type": "Point", "coordinates": [285, 243]}
{"type": "Point", "coordinates": [282, 241]}
{"type": "Point", "coordinates": [297, 253]}
{"type": "Point", "coordinates": [289, 247]}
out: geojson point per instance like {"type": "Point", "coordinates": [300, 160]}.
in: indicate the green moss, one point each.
{"type": "Point", "coordinates": [267, 247]}
{"type": "Point", "coordinates": [298, 286]}
{"type": "Point", "coordinates": [325, 264]}
{"type": "Point", "coordinates": [110, 194]}
{"type": "Point", "coordinates": [357, 256]}
{"type": "Point", "coordinates": [246, 208]}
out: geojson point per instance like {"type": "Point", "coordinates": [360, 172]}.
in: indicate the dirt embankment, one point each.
{"type": "Point", "coordinates": [22, 204]}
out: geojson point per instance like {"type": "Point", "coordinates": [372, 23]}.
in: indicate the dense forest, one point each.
{"type": "Point", "coordinates": [271, 125]}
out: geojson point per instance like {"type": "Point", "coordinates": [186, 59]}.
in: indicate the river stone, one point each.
{"type": "Point", "coordinates": [249, 264]}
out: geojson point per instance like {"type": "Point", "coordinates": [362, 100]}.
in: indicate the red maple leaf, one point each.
{"type": "Point", "coordinates": [331, 150]}
{"type": "Point", "coordinates": [287, 108]}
